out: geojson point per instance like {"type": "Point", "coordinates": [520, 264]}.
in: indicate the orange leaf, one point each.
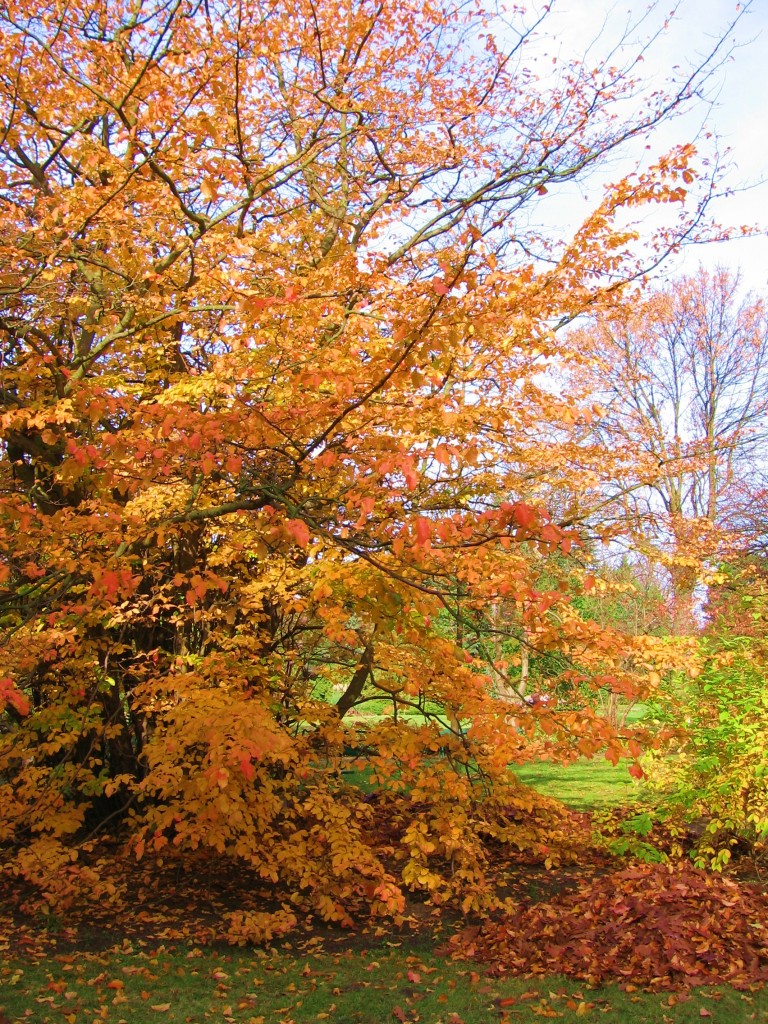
{"type": "Point", "coordinates": [208, 190]}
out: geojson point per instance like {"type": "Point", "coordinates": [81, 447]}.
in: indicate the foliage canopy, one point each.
{"type": "Point", "coordinates": [273, 423]}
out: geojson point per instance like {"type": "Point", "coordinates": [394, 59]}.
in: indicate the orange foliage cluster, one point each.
{"type": "Point", "coordinates": [273, 424]}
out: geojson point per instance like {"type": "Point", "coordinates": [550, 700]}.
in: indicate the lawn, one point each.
{"type": "Point", "coordinates": [393, 982]}
{"type": "Point", "coordinates": [585, 785]}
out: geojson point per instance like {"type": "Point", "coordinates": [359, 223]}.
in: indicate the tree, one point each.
{"type": "Point", "coordinates": [683, 376]}
{"type": "Point", "coordinates": [270, 342]}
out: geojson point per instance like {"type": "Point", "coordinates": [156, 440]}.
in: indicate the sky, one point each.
{"type": "Point", "coordinates": [736, 114]}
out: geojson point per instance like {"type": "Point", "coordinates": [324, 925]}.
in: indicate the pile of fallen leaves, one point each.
{"type": "Point", "coordinates": [652, 926]}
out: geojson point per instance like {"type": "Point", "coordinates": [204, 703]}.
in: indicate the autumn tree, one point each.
{"type": "Point", "coordinates": [682, 373]}
{"type": "Point", "coordinates": [270, 336]}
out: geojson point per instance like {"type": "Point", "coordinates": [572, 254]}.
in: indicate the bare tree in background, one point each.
{"type": "Point", "coordinates": [683, 378]}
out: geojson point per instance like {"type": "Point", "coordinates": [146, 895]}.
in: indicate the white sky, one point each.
{"type": "Point", "coordinates": [739, 117]}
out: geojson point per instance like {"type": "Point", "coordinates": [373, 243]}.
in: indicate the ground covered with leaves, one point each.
{"type": "Point", "coordinates": [654, 926]}
{"type": "Point", "coordinates": [600, 937]}
{"type": "Point", "coordinates": [394, 982]}
{"type": "Point", "coordinates": [594, 934]}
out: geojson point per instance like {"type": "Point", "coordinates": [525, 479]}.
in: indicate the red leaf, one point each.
{"type": "Point", "coordinates": [247, 768]}
{"type": "Point", "coordinates": [524, 515]}
{"type": "Point", "coordinates": [411, 478]}
{"type": "Point", "coordinates": [636, 771]}
{"type": "Point", "coordinates": [10, 695]}
{"type": "Point", "coordinates": [423, 530]}
{"type": "Point", "coordinates": [299, 530]}
{"type": "Point", "coordinates": [110, 583]}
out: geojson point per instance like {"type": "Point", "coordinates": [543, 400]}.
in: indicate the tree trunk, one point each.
{"type": "Point", "coordinates": [352, 693]}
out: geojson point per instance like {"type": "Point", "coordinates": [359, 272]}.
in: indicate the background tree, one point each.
{"type": "Point", "coordinates": [270, 341]}
{"type": "Point", "coordinates": [683, 377]}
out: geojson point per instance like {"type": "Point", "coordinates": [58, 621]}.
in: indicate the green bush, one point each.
{"type": "Point", "coordinates": [716, 776]}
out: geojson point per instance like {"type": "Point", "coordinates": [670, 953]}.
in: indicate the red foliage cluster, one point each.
{"type": "Point", "coordinates": [647, 925]}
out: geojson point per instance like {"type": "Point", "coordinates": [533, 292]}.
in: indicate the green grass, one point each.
{"type": "Point", "coordinates": [585, 785]}
{"type": "Point", "coordinates": [382, 984]}
{"type": "Point", "coordinates": [636, 713]}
